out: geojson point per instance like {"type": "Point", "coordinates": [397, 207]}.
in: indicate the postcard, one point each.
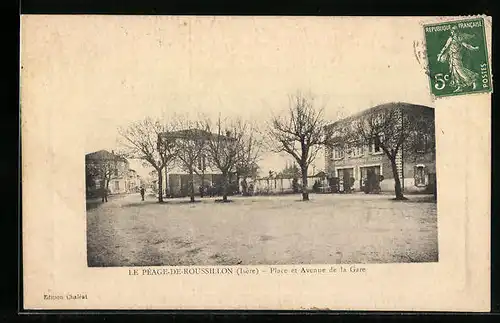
{"type": "Point", "coordinates": [256, 163]}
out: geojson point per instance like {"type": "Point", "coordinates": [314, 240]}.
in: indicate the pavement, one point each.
{"type": "Point", "coordinates": [92, 203]}
{"type": "Point", "coordinates": [329, 229]}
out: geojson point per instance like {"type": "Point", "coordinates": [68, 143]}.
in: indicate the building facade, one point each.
{"type": "Point", "coordinates": [104, 168]}
{"type": "Point", "coordinates": [133, 182]}
{"type": "Point", "coordinates": [353, 165]}
{"type": "Point", "coordinates": [177, 180]}
{"type": "Point", "coordinates": [179, 184]}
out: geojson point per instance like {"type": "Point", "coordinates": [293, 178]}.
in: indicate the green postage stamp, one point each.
{"type": "Point", "coordinates": [457, 57]}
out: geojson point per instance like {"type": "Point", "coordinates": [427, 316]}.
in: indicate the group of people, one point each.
{"type": "Point", "coordinates": [206, 190]}
{"type": "Point", "coordinates": [209, 190]}
{"type": "Point", "coordinates": [217, 190]}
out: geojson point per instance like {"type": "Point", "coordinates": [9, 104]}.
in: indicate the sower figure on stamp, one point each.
{"type": "Point", "coordinates": [142, 193]}
{"type": "Point", "coordinates": [453, 53]}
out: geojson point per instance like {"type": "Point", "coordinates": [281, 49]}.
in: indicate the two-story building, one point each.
{"type": "Point", "coordinates": [104, 168]}
{"type": "Point", "coordinates": [353, 163]}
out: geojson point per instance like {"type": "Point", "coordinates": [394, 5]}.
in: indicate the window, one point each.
{"type": "Point", "coordinates": [338, 152]}
{"type": "Point", "coordinates": [116, 171]}
{"type": "Point", "coordinates": [420, 175]}
{"type": "Point", "coordinates": [349, 151]}
{"type": "Point", "coordinates": [377, 143]}
{"type": "Point", "coordinates": [117, 185]}
{"type": "Point", "coordinates": [358, 150]}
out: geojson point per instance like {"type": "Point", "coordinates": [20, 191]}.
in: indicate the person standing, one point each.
{"type": "Point", "coordinates": [142, 193]}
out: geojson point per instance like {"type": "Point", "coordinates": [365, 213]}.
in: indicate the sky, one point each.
{"type": "Point", "coordinates": [133, 67]}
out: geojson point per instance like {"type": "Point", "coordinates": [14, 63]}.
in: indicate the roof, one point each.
{"type": "Point", "coordinates": [381, 107]}
{"type": "Point", "coordinates": [104, 155]}
{"type": "Point", "coordinates": [190, 133]}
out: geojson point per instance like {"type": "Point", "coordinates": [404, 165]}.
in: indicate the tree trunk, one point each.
{"type": "Point", "coordinates": [305, 194]}
{"type": "Point", "coordinates": [244, 187]}
{"type": "Point", "coordinates": [397, 182]}
{"type": "Point", "coordinates": [202, 184]}
{"type": "Point", "coordinates": [166, 181]}
{"type": "Point", "coordinates": [102, 189]}
{"type": "Point", "coordinates": [224, 187]}
{"type": "Point", "coordinates": [191, 174]}
{"type": "Point", "coordinates": [160, 186]}
{"type": "Point", "coordinates": [237, 183]}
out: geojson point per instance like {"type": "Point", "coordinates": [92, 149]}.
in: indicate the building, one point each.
{"type": "Point", "coordinates": [104, 168]}
{"type": "Point", "coordinates": [178, 180]}
{"type": "Point", "coordinates": [151, 182]}
{"type": "Point", "coordinates": [179, 184]}
{"type": "Point", "coordinates": [133, 182]}
{"type": "Point", "coordinates": [351, 163]}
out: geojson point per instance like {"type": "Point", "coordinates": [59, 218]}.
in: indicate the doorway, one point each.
{"type": "Point", "coordinates": [346, 179]}
{"type": "Point", "coordinates": [370, 179]}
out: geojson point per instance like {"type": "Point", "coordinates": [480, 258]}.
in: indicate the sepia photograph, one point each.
{"type": "Point", "coordinates": [246, 162]}
{"type": "Point", "coordinates": [249, 159]}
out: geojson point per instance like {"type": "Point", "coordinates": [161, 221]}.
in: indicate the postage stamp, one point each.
{"type": "Point", "coordinates": [457, 57]}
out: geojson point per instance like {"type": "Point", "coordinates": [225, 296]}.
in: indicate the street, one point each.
{"type": "Point", "coordinates": [258, 230]}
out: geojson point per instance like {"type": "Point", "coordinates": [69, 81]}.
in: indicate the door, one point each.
{"type": "Point", "coordinates": [347, 179]}
{"type": "Point", "coordinates": [345, 176]}
{"type": "Point", "coordinates": [369, 179]}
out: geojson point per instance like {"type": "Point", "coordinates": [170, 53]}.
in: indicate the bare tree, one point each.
{"type": "Point", "coordinates": [105, 166]}
{"type": "Point", "coordinates": [142, 140]}
{"type": "Point", "coordinates": [225, 146]}
{"type": "Point", "coordinates": [191, 142]}
{"type": "Point", "coordinates": [299, 133]}
{"type": "Point", "coordinates": [290, 171]}
{"type": "Point", "coordinates": [397, 128]}
{"type": "Point", "coordinates": [248, 156]}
